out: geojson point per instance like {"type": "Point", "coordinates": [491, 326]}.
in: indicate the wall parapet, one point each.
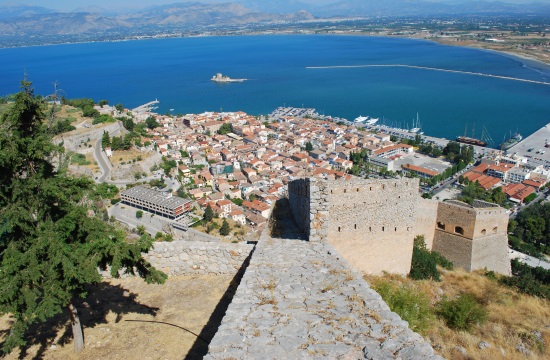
{"type": "Point", "coordinates": [196, 257]}
{"type": "Point", "coordinates": [299, 299]}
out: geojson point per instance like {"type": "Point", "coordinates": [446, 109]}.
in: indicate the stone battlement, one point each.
{"type": "Point", "coordinates": [300, 300]}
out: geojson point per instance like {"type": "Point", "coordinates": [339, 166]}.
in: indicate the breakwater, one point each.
{"type": "Point", "coordinates": [431, 69]}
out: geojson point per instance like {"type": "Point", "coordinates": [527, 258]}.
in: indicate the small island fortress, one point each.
{"type": "Point", "coordinates": [219, 77]}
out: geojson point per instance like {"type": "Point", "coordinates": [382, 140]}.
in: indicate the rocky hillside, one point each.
{"type": "Point", "coordinates": [182, 15]}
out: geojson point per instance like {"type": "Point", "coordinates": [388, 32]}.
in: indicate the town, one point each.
{"type": "Point", "coordinates": [231, 167]}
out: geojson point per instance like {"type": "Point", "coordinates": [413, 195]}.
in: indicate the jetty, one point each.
{"type": "Point", "coordinates": [431, 69]}
{"type": "Point", "coordinates": [150, 106]}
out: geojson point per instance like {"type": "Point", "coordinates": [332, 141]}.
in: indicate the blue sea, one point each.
{"type": "Point", "coordinates": [177, 72]}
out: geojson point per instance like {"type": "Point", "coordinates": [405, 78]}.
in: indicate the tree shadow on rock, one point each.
{"type": "Point", "coordinates": [102, 299]}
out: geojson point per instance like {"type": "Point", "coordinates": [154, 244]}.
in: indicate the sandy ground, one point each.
{"type": "Point", "coordinates": [129, 319]}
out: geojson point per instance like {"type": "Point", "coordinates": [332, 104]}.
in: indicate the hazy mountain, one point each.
{"type": "Point", "coordinates": [58, 24]}
{"type": "Point", "coordinates": [9, 11]}
{"type": "Point", "coordinates": [181, 15]}
{"type": "Point", "coordinates": [420, 7]}
{"type": "Point", "coordinates": [276, 6]}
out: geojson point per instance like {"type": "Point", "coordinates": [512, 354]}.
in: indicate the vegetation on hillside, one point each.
{"type": "Point", "coordinates": [53, 235]}
{"type": "Point", "coordinates": [472, 312]}
{"type": "Point", "coordinates": [530, 230]}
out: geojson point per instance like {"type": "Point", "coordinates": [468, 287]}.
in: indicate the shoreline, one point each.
{"type": "Point", "coordinates": [537, 63]}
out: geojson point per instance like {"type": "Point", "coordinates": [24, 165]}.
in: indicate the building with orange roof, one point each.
{"type": "Point", "coordinates": [421, 172]}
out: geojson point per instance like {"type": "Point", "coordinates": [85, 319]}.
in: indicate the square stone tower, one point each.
{"type": "Point", "coordinates": [473, 236]}
{"type": "Point", "coordinates": [370, 222]}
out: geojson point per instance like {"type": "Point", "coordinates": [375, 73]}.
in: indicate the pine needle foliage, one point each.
{"type": "Point", "coordinates": [51, 243]}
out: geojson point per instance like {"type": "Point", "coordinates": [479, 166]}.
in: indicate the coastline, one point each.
{"type": "Point", "coordinates": [528, 60]}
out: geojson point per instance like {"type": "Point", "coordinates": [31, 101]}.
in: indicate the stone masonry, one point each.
{"type": "Point", "coordinates": [370, 222]}
{"type": "Point", "coordinates": [473, 237]}
{"type": "Point", "coordinates": [300, 300]}
{"type": "Point", "coordinates": [188, 257]}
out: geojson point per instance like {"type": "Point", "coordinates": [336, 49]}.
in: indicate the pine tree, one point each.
{"type": "Point", "coordinates": [50, 247]}
{"type": "Point", "coordinates": [224, 230]}
{"type": "Point", "coordinates": [105, 140]}
{"type": "Point", "coordinates": [208, 214]}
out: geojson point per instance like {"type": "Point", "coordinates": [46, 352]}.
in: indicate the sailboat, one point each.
{"type": "Point", "coordinates": [416, 125]}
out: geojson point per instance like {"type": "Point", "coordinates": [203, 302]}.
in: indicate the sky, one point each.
{"type": "Point", "coordinates": [68, 5]}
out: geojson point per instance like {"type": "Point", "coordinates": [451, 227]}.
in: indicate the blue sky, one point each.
{"type": "Point", "coordinates": [68, 5]}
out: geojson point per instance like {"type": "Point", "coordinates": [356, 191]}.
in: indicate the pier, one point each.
{"type": "Point", "coordinates": [150, 106]}
{"type": "Point", "coordinates": [535, 147]}
{"type": "Point", "coordinates": [431, 69]}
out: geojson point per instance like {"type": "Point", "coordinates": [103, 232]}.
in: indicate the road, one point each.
{"type": "Point", "coordinates": [102, 161]}
{"type": "Point", "coordinates": [529, 260]}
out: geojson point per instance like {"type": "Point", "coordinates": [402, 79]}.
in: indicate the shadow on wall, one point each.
{"type": "Point", "coordinates": [283, 225]}
{"type": "Point", "coordinates": [200, 346]}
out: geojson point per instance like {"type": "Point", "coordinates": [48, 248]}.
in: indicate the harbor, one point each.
{"type": "Point", "coordinates": [535, 147]}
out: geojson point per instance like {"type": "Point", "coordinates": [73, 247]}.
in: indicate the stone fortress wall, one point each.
{"type": "Point", "coordinates": [372, 223]}
{"type": "Point", "coordinates": [301, 300]}
{"type": "Point", "coordinates": [473, 237]}
{"type": "Point", "coordinates": [71, 142]}
{"type": "Point", "coordinates": [198, 257]}
{"type": "Point", "coordinates": [425, 219]}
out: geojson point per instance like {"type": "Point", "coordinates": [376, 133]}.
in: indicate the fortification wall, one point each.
{"type": "Point", "coordinates": [71, 142]}
{"type": "Point", "coordinates": [194, 235]}
{"type": "Point", "coordinates": [299, 200]}
{"type": "Point", "coordinates": [491, 222]}
{"type": "Point", "coordinates": [455, 248]}
{"type": "Point", "coordinates": [300, 300]}
{"type": "Point", "coordinates": [425, 219]}
{"type": "Point", "coordinates": [452, 218]}
{"type": "Point", "coordinates": [473, 238]}
{"type": "Point", "coordinates": [309, 204]}
{"type": "Point", "coordinates": [372, 223]}
{"type": "Point", "coordinates": [491, 252]}
{"type": "Point", "coordinates": [187, 258]}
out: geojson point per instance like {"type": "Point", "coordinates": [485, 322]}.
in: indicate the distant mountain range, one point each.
{"type": "Point", "coordinates": [19, 21]}
{"type": "Point", "coordinates": [27, 21]}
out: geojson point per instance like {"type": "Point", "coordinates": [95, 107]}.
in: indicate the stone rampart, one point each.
{"type": "Point", "coordinates": [300, 300]}
{"type": "Point", "coordinates": [473, 237]}
{"type": "Point", "coordinates": [370, 222]}
{"type": "Point", "coordinates": [424, 223]}
{"type": "Point", "coordinates": [194, 235]}
{"type": "Point", "coordinates": [71, 142]}
{"type": "Point", "coordinates": [195, 257]}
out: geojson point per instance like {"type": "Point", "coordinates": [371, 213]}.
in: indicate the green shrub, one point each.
{"type": "Point", "coordinates": [412, 305]}
{"type": "Point", "coordinates": [442, 261]}
{"type": "Point", "coordinates": [139, 214]}
{"type": "Point", "coordinates": [423, 265]}
{"type": "Point", "coordinates": [115, 201]}
{"type": "Point", "coordinates": [462, 313]}
{"type": "Point", "coordinates": [79, 159]}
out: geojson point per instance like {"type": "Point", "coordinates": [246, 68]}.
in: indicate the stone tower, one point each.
{"type": "Point", "coordinates": [473, 236]}
{"type": "Point", "coordinates": [370, 222]}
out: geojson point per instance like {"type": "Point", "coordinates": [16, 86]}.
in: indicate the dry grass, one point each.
{"type": "Point", "coordinates": [513, 318]}
{"type": "Point", "coordinates": [128, 156]}
{"type": "Point", "coordinates": [234, 227]}
{"type": "Point", "coordinates": [122, 323]}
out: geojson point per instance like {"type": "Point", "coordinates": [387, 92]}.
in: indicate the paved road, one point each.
{"type": "Point", "coordinates": [529, 260]}
{"type": "Point", "coordinates": [102, 161]}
